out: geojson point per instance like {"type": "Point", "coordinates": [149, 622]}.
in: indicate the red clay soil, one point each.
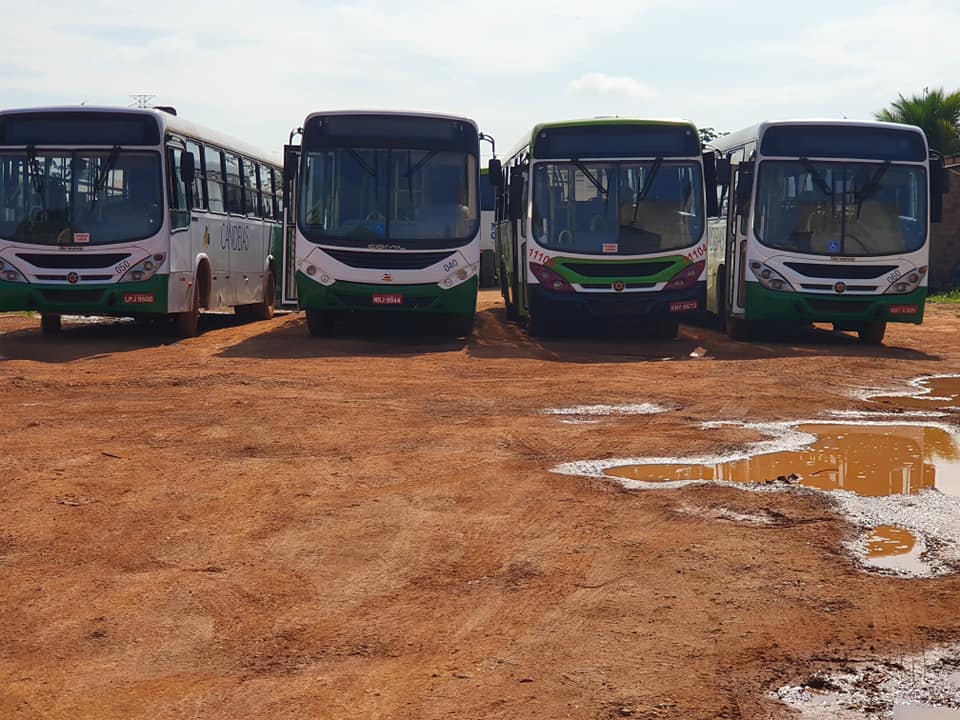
{"type": "Point", "coordinates": [255, 523]}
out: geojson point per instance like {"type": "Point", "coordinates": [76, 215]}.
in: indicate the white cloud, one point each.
{"type": "Point", "coordinates": [606, 85]}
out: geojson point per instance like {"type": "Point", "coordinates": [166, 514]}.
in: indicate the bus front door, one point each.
{"type": "Point", "coordinates": [735, 256]}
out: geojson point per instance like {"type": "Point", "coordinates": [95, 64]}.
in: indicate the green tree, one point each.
{"type": "Point", "coordinates": [707, 134]}
{"type": "Point", "coordinates": [935, 112]}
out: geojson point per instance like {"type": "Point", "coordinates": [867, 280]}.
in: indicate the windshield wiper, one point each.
{"type": "Point", "coordinates": [817, 177]}
{"type": "Point", "coordinates": [642, 192]}
{"type": "Point", "coordinates": [596, 183]}
{"type": "Point", "coordinates": [871, 186]}
{"type": "Point", "coordinates": [420, 163]}
{"type": "Point", "coordinates": [363, 163]}
{"type": "Point", "coordinates": [36, 177]}
{"type": "Point", "coordinates": [101, 181]}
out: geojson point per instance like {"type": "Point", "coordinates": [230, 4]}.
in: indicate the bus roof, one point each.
{"type": "Point", "coordinates": [530, 137]}
{"type": "Point", "coordinates": [391, 113]}
{"type": "Point", "coordinates": [755, 132]}
{"type": "Point", "coordinates": [167, 123]}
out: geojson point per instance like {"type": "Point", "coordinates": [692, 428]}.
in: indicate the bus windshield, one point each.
{"type": "Point", "coordinates": [386, 195]}
{"type": "Point", "coordinates": [96, 197]}
{"type": "Point", "coordinates": [624, 208]}
{"type": "Point", "coordinates": [841, 209]}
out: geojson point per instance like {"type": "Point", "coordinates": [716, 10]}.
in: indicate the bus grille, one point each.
{"type": "Point", "coordinates": [841, 271]}
{"type": "Point", "coordinates": [617, 270]}
{"type": "Point", "coordinates": [388, 260]}
{"type": "Point", "coordinates": [72, 296]}
{"type": "Point", "coordinates": [72, 261]}
{"type": "Point", "coordinates": [839, 306]}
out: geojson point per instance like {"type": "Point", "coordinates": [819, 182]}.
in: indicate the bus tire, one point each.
{"type": "Point", "coordinates": [666, 328]}
{"type": "Point", "coordinates": [539, 323]}
{"type": "Point", "coordinates": [264, 310]}
{"type": "Point", "coordinates": [186, 324]}
{"type": "Point", "coordinates": [487, 275]}
{"type": "Point", "coordinates": [872, 333]}
{"type": "Point", "coordinates": [461, 325]}
{"type": "Point", "coordinates": [319, 322]}
{"type": "Point", "coordinates": [738, 328]}
{"type": "Point", "coordinates": [49, 323]}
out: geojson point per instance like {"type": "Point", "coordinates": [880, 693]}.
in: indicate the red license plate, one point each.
{"type": "Point", "coordinates": [385, 299]}
{"type": "Point", "coordinates": [684, 305]}
{"type": "Point", "coordinates": [138, 298]}
{"type": "Point", "coordinates": [904, 309]}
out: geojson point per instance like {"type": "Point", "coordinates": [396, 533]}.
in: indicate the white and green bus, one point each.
{"type": "Point", "coordinates": [387, 211]}
{"type": "Point", "coordinates": [134, 212]}
{"type": "Point", "coordinates": [604, 218]}
{"type": "Point", "coordinates": [488, 229]}
{"type": "Point", "coordinates": [823, 221]}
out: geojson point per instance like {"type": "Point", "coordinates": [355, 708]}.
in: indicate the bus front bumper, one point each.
{"type": "Point", "coordinates": [843, 310]}
{"type": "Point", "coordinates": [680, 303]}
{"type": "Point", "coordinates": [364, 297]}
{"type": "Point", "coordinates": [147, 297]}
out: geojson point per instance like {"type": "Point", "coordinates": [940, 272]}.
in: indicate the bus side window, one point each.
{"type": "Point", "coordinates": [199, 186]}
{"type": "Point", "coordinates": [525, 200]}
{"type": "Point", "coordinates": [267, 189]}
{"type": "Point", "coordinates": [213, 169]}
{"type": "Point", "coordinates": [178, 190]}
{"type": "Point", "coordinates": [234, 188]}
{"type": "Point", "coordinates": [278, 187]}
{"type": "Point", "coordinates": [251, 192]}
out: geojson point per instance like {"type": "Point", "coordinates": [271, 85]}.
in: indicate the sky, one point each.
{"type": "Point", "coordinates": [255, 69]}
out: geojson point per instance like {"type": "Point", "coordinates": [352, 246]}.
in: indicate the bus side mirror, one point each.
{"type": "Point", "coordinates": [495, 172]}
{"type": "Point", "coordinates": [516, 196]}
{"type": "Point", "coordinates": [744, 186]}
{"type": "Point", "coordinates": [291, 159]}
{"type": "Point", "coordinates": [710, 184]}
{"type": "Point", "coordinates": [188, 168]}
{"type": "Point", "coordinates": [939, 186]}
{"type": "Point", "coordinates": [723, 170]}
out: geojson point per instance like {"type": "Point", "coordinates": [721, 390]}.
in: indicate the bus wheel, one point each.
{"type": "Point", "coordinates": [487, 274]}
{"type": "Point", "coordinates": [539, 323]}
{"type": "Point", "coordinates": [319, 322]}
{"type": "Point", "coordinates": [738, 328]}
{"type": "Point", "coordinates": [185, 324]}
{"type": "Point", "coordinates": [461, 325]}
{"type": "Point", "coordinates": [264, 310]}
{"type": "Point", "coordinates": [872, 333]}
{"type": "Point", "coordinates": [666, 328]}
{"type": "Point", "coordinates": [49, 323]}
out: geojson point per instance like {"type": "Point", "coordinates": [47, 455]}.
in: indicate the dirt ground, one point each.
{"type": "Point", "coordinates": [258, 524]}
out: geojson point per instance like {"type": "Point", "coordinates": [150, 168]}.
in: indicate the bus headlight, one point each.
{"type": "Point", "coordinates": [458, 276]}
{"type": "Point", "coordinates": [550, 279]}
{"type": "Point", "coordinates": [908, 282]}
{"type": "Point", "coordinates": [686, 277]}
{"type": "Point", "coordinates": [145, 269]}
{"type": "Point", "coordinates": [9, 273]}
{"type": "Point", "coordinates": [770, 278]}
{"type": "Point", "coordinates": [318, 274]}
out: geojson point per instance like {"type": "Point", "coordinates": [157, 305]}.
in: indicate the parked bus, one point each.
{"type": "Point", "coordinates": [823, 221]}
{"type": "Point", "coordinates": [387, 212]}
{"type": "Point", "coordinates": [604, 217]}
{"type": "Point", "coordinates": [133, 212]}
{"type": "Point", "coordinates": [488, 260]}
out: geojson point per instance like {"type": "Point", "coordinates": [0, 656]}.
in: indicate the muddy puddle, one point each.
{"type": "Point", "coordinates": [915, 687]}
{"type": "Point", "coordinates": [933, 394]}
{"type": "Point", "coordinates": [592, 414]}
{"type": "Point", "coordinates": [898, 482]}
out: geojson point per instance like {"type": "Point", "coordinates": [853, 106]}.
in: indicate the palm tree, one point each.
{"type": "Point", "coordinates": [935, 112]}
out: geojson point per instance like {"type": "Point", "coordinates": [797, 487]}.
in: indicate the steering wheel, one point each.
{"type": "Point", "coordinates": [376, 216]}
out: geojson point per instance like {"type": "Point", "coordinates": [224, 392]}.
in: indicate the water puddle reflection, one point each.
{"type": "Point", "coordinates": [928, 394]}
{"type": "Point", "coordinates": [899, 482]}
{"type": "Point", "coordinates": [869, 460]}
